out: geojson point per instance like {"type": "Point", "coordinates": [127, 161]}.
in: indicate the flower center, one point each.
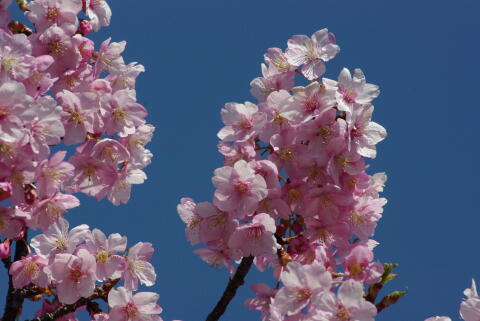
{"type": "Point", "coordinates": [311, 105]}
{"type": "Point", "coordinates": [61, 244]}
{"type": "Point", "coordinates": [342, 314]}
{"type": "Point", "coordinates": [245, 125]}
{"type": "Point", "coordinates": [103, 256]}
{"type": "Point", "coordinates": [286, 154]}
{"type": "Point", "coordinates": [8, 62]}
{"type": "Point", "coordinates": [119, 114]}
{"type": "Point", "coordinates": [56, 48]}
{"type": "Point", "coordinates": [52, 14]}
{"type": "Point", "coordinates": [241, 187]}
{"type": "Point", "coordinates": [303, 294]}
{"type": "Point", "coordinates": [75, 274]}
{"type": "Point", "coordinates": [76, 117]}
{"type": "Point", "coordinates": [293, 195]}
{"type": "Point", "coordinates": [52, 210]}
{"type": "Point", "coordinates": [31, 269]}
{"type": "Point", "coordinates": [349, 96]}
{"type": "Point", "coordinates": [131, 310]}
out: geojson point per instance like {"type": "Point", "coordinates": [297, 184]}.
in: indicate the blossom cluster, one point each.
{"type": "Point", "coordinates": [293, 191]}
{"type": "Point", "coordinates": [73, 261]}
{"type": "Point", "coordinates": [70, 123]}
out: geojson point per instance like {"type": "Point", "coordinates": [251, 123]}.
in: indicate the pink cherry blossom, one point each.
{"type": "Point", "coordinates": [310, 101]}
{"type": "Point", "coordinates": [58, 43]}
{"type": "Point", "coordinates": [16, 60]}
{"type": "Point", "coordinates": [255, 238]}
{"type": "Point", "coordinates": [275, 57]}
{"type": "Point", "coordinates": [105, 252]}
{"type": "Point", "coordinates": [358, 265]}
{"type": "Point", "coordinates": [352, 90]}
{"type": "Point", "coordinates": [138, 268]}
{"type": "Point", "coordinates": [109, 55]}
{"type": "Point", "coordinates": [348, 304]}
{"type": "Point", "coordinates": [110, 152]}
{"type": "Point", "coordinates": [91, 176]}
{"type": "Point", "coordinates": [139, 307]}
{"type": "Point", "coordinates": [58, 239]}
{"type": "Point", "coordinates": [50, 209]}
{"type": "Point", "coordinates": [28, 270]}
{"type": "Point", "coordinates": [78, 115]}
{"type": "Point", "coordinates": [53, 173]}
{"type": "Point", "coordinates": [301, 286]}
{"type": "Point", "coordinates": [279, 114]}
{"type": "Point", "coordinates": [312, 52]}
{"type": "Point", "coordinates": [239, 189]}
{"type": "Point", "coordinates": [120, 190]}
{"type": "Point", "coordinates": [42, 126]}
{"type": "Point", "coordinates": [44, 13]}
{"type": "Point", "coordinates": [241, 121]}
{"type": "Point", "coordinates": [121, 113]}
{"type": "Point", "coordinates": [272, 80]}
{"type": "Point", "coordinates": [99, 12]}
{"type": "Point", "coordinates": [75, 275]}
{"type": "Point", "coordinates": [13, 101]}
{"type": "Point", "coordinates": [135, 144]}
{"type": "Point", "coordinates": [364, 133]}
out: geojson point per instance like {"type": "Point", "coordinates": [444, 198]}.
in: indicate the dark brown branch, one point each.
{"type": "Point", "coordinates": [14, 299]}
{"type": "Point", "coordinates": [233, 284]}
{"type": "Point", "coordinates": [101, 292]}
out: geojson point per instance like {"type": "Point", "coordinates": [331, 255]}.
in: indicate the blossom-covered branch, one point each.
{"type": "Point", "coordinates": [293, 192]}
{"type": "Point", "coordinates": [60, 91]}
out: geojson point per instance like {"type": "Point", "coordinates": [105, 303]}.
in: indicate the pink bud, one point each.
{"type": "Point", "coordinates": [5, 191]}
{"type": "Point", "coordinates": [85, 27]}
{"type": "Point", "coordinates": [5, 249]}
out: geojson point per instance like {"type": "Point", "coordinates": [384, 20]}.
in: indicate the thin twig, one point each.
{"type": "Point", "coordinates": [101, 292]}
{"type": "Point", "coordinates": [233, 284]}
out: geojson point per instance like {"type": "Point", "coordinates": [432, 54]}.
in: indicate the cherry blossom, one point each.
{"type": "Point", "coordinates": [139, 307]}
{"type": "Point", "coordinates": [312, 52]}
{"type": "Point", "coordinates": [239, 189]}
{"type": "Point", "coordinates": [75, 275]}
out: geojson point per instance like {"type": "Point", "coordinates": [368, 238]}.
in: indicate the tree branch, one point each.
{"type": "Point", "coordinates": [14, 299]}
{"type": "Point", "coordinates": [233, 284]}
{"type": "Point", "coordinates": [101, 292]}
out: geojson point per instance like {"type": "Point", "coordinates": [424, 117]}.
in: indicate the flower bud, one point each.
{"type": "Point", "coordinates": [5, 191]}
{"type": "Point", "coordinates": [5, 249]}
{"type": "Point", "coordinates": [85, 27]}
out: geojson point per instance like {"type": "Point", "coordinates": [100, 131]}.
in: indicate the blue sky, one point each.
{"type": "Point", "coordinates": [198, 55]}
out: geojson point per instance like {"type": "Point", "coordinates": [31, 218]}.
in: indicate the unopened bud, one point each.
{"type": "Point", "coordinates": [85, 27]}
{"type": "Point", "coordinates": [390, 299]}
{"type": "Point", "coordinates": [5, 249]}
{"type": "Point", "coordinates": [5, 191]}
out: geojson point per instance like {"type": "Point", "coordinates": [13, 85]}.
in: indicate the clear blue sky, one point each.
{"type": "Point", "coordinates": [424, 55]}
